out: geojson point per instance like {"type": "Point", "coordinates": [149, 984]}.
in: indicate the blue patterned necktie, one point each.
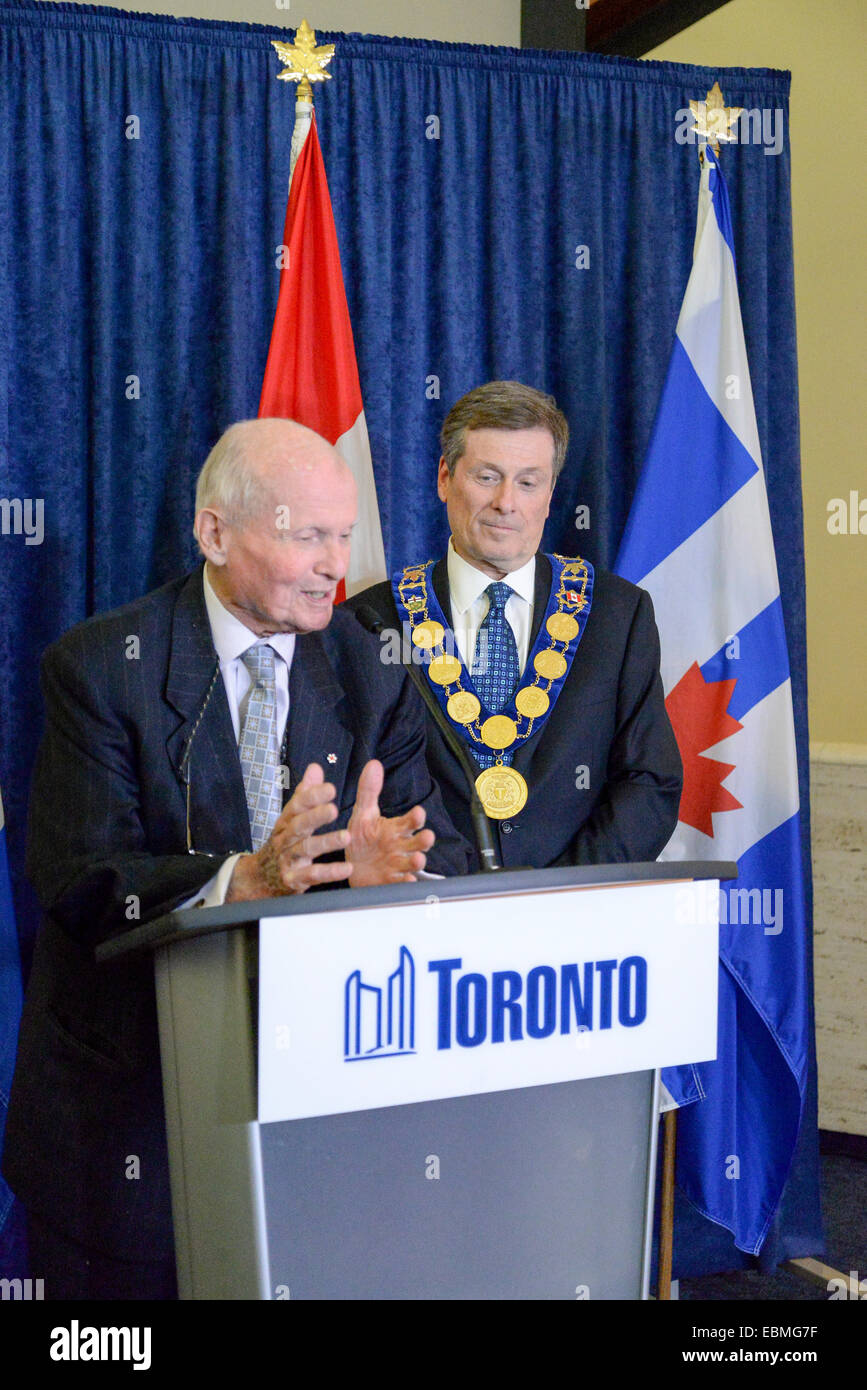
{"type": "Point", "coordinates": [258, 749]}
{"type": "Point", "coordinates": [495, 670]}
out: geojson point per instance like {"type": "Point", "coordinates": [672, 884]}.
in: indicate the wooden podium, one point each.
{"type": "Point", "coordinates": [446, 1089]}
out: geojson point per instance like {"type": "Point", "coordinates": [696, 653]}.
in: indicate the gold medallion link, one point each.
{"type": "Point", "coordinates": [428, 634]}
{"type": "Point", "coordinates": [531, 702]}
{"type": "Point", "coordinates": [499, 731]}
{"type": "Point", "coordinates": [562, 627]}
{"type": "Point", "coordinates": [463, 707]}
{"type": "Point", "coordinates": [445, 669]}
{"type": "Point", "coordinates": [502, 792]}
{"type": "Point", "coordinates": [550, 665]}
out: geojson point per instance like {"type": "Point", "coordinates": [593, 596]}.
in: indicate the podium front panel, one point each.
{"type": "Point", "coordinates": [331, 1138]}
{"type": "Point", "coordinates": [528, 1194]}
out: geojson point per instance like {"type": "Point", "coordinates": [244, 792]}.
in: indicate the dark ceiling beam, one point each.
{"type": "Point", "coordinates": [553, 24]}
{"type": "Point", "coordinates": [631, 28]}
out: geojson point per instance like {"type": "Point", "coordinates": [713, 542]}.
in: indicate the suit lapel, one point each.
{"type": "Point", "coordinates": [441, 588]}
{"type": "Point", "coordinates": [316, 732]}
{"type": "Point", "coordinates": [541, 593]}
{"type": "Point", "coordinates": [219, 819]}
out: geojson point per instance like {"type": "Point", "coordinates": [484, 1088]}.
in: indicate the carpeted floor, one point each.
{"type": "Point", "coordinates": [844, 1210]}
{"type": "Point", "coordinates": [844, 1207]}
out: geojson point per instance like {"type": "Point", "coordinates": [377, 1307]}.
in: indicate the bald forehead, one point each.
{"type": "Point", "coordinates": [286, 456]}
{"type": "Point", "coordinates": [282, 443]}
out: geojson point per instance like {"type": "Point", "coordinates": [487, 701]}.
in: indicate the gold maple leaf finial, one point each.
{"type": "Point", "coordinates": [305, 62]}
{"type": "Point", "coordinates": [714, 121]}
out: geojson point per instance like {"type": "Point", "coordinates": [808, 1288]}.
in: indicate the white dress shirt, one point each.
{"type": "Point", "coordinates": [231, 639]}
{"type": "Point", "coordinates": [470, 604]}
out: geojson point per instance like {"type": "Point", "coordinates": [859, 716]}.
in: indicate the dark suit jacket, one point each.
{"type": "Point", "coordinates": [610, 718]}
{"type": "Point", "coordinates": [107, 841]}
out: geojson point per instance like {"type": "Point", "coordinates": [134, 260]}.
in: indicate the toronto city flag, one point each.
{"type": "Point", "coordinates": [699, 539]}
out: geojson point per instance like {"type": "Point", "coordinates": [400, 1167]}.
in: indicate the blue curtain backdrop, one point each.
{"type": "Point", "coordinates": [464, 180]}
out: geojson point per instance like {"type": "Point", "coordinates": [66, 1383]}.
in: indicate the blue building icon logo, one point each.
{"type": "Point", "coordinates": [380, 1022]}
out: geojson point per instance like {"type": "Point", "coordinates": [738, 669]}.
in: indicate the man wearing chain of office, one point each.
{"type": "Point", "coordinates": [547, 667]}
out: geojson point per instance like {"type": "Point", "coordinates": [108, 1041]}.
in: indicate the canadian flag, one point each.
{"type": "Point", "coordinates": [311, 374]}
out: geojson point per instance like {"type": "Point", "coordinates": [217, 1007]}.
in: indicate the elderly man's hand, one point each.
{"type": "Point", "coordinates": [286, 862]}
{"type": "Point", "coordinates": [382, 849]}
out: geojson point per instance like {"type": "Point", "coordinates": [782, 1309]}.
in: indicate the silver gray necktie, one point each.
{"type": "Point", "coordinates": [258, 745]}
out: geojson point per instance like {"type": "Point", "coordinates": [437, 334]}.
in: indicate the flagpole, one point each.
{"type": "Point", "coordinates": [303, 119]}
{"type": "Point", "coordinates": [666, 1212]}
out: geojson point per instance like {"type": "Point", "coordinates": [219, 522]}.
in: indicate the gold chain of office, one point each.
{"type": "Point", "coordinates": [503, 791]}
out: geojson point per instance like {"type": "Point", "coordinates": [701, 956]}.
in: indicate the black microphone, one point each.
{"type": "Point", "coordinates": [482, 828]}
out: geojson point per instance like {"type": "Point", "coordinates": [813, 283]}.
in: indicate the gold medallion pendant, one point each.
{"type": "Point", "coordinates": [428, 634]}
{"type": "Point", "coordinates": [499, 731]}
{"type": "Point", "coordinates": [445, 669]}
{"type": "Point", "coordinates": [531, 701]}
{"type": "Point", "coordinates": [463, 707]}
{"type": "Point", "coordinates": [502, 791]}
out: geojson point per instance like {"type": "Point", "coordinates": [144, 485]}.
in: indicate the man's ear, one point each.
{"type": "Point", "coordinates": [443, 479]}
{"type": "Point", "coordinates": [210, 532]}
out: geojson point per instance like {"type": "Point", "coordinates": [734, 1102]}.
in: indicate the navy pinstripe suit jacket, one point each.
{"type": "Point", "coordinates": [108, 828]}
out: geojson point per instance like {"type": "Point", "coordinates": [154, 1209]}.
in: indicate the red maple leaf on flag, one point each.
{"type": "Point", "coordinates": [698, 710]}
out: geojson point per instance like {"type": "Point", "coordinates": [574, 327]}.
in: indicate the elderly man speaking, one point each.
{"type": "Point", "coordinates": [226, 737]}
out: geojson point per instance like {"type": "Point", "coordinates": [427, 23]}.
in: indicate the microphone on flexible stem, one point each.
{"type": "Point", "coordinates": [482, 828]}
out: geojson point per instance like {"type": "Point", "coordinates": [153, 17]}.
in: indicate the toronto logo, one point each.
{"type": "Point", "coordinates": [379, 1021]}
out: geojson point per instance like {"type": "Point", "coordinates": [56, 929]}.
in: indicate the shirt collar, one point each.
{"type": "Point", "coordinates": [232, 637]}
{"type": "Point", "coordinates": [466, 583]}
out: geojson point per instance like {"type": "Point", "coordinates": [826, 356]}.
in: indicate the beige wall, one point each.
{"type": "Point", "coordinates": [824, 46]}
{"type": "Point", "coordinates": [492, 21]}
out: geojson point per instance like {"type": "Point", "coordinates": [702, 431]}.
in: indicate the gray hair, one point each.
{"type": "Point", "coordinates": [503, 405]}
{"type": "Point", "coordinates": [226, 483]}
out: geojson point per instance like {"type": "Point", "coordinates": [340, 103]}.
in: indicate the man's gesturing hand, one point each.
{"type": "Point", "coordinates": [285, 863]}
{"type": "Point", "coordinates": [384, 850]}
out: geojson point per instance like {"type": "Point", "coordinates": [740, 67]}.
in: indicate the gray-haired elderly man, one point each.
{"type": "Point", "coordinates": [247, 743]}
